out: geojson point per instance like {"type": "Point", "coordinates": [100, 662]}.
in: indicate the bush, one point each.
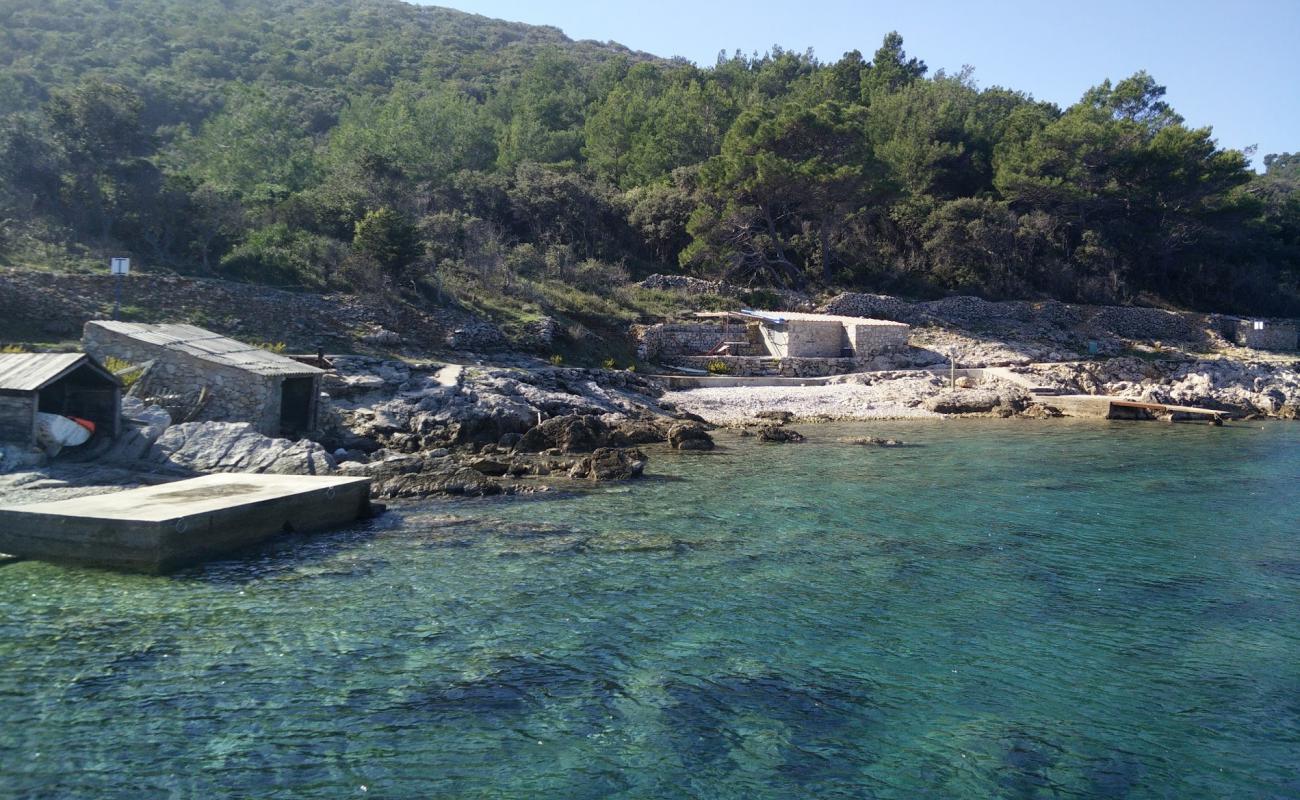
{"type": "Point", "coordinates": [279, 255]}
{"type": "Point", "coordinates": [718, 367]}
{"type": "Point", "coordinates": [557, 360]}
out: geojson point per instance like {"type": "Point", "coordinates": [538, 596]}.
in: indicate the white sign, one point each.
{"type": "Point", "coordinates": [120, 266]}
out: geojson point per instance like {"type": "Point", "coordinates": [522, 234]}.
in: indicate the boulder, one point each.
{"type": "Point", "coordinates": [963, 401]}
{"type": "Point", "coordinates": [775, 433]}
{"type": "Point", "coordinates": [574, 433]}
{"type": "Point", "coordinates": [490, 466]}
{"type": "Point", "coordinates": [633, 432]}
{"type": "Point", "coordinates": [611, 464]}
{"type": "Point", "coordinates": [777, 417]}
{"type": "Point", "coordinates": [236, 447]}
{"type": "Point", "coordinates": [689, 436]}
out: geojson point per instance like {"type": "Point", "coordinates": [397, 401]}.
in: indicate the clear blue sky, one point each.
{"type": "Point", "coordinates": [1232, 65]}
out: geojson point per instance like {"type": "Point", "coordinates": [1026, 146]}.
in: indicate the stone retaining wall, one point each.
{"type": "Point", "coordinates": [670, 340]}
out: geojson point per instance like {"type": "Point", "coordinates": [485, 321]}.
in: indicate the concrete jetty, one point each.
{"type": "Point", "coordinates": [157, 529]}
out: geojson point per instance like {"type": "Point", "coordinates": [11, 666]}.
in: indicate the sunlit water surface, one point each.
{"type": "Point", "coordinates": [1002, 610]}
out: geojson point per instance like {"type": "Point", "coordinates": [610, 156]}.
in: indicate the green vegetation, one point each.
{"type": "Point", "coordinates": [718, 367]}
{"type": "Point", "coordinates": [375, 146]}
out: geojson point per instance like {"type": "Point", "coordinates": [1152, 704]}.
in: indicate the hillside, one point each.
{"type": "Point", "coordinates": [443, 159]}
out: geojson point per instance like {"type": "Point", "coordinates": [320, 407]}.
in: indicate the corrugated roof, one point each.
{"type": "Point", "coordinates": [28, 372]}
{"type": "Point", "coordinates": [212, 347]}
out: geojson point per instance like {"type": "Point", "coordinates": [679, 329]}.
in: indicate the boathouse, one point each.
{"type": "Point", "coordinates": [227, 380]}
{"type": "Point", "coordinates": [68, 384]}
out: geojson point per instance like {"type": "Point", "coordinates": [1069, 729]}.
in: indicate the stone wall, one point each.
{"type": "Point", "coordinates": [806, 338]}
{"type": "Point", "coordinates": [869, 340]}
{"type": "Point", "coordinates": [232, 395]}
{"type": "Point", "coordinates": [1273, 335]}
{"type": "Point", "coordinates": [670, 340]}
{"type": "Point", "coordinates": [17, 417]}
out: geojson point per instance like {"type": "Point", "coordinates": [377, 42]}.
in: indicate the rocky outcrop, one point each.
{"type": "Point", "coordinates": [689, 436]}
{"type": "Point", "coordinates": [779, 435]}
{"type": "Point", "coordinates": [568, 434]}
{"type": "Point", "coordinates": [236, 447]}
{"type": "Point", "coordinates": [610, 464]}
{"type": "Point", "coordinates": [964, 401]}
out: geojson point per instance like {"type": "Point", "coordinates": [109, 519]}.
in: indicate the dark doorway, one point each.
{"type": "Point", "coordinates": [87, 394]}
{"type": "Point", "coordinates": [297, 397]}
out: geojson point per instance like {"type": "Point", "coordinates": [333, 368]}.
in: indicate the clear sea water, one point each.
{"type": "Point", "coordinates": [1019, 610]}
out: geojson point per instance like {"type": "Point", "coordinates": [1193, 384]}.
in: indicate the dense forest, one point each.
{"type": "Point", "coordinates": [379, 146]}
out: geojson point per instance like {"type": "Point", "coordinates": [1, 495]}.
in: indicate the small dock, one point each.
{"type": "Point", "coordinates": [1103, 407]}
{"type": "Point", "coordinates": [157, 529]}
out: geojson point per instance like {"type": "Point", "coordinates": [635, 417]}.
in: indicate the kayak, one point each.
{"type": "Point", "coordinates": [61, 431]}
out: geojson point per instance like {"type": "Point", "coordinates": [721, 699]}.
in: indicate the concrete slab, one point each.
{"type": "Point", "coordinates": [157, 529]}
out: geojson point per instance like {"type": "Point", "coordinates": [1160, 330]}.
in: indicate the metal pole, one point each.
{"type": "Point", "coordinates": [117, 297]}
{"type": "Point", "coordinates": [952, 371]}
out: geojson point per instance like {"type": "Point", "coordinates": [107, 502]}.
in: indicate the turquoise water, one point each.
{"type": "Point", "coordinates": [1022, 610]}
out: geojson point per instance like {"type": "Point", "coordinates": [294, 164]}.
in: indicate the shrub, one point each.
{"type": "Point", "coordinates": [13, 349]}
{"type": "Point", "coordinates": [718, 367]}
{"type": "Point", "coordinates": [125, 371]}
{"type": "Point", "coordinates": [557, 360]}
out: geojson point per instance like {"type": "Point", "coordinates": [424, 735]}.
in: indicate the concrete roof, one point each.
{"type": "Point", "coordinates": [29, 372]}
{"type": "Point", "coordinates": [212, 347]}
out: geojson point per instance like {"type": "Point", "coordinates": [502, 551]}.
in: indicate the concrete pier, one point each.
{"type": "Point", "coordinates": [1103, 407]}
{"type": "Point", "coordinates": [157, 529]}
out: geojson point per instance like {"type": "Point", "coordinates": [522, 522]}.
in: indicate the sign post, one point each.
{"type": "Point", "coordinates": [120, 268]}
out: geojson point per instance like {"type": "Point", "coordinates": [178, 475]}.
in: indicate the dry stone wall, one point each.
{"type": "Point", "coordinates": [231, 395]}
{"type": "Point", "coordinates": [665, 340]}
{"type": "Point", "coordinates": [1270, 335]}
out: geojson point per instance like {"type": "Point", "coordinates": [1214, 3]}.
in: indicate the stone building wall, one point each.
{"type": "Point", "coordinates": [867, 340]}
{"type": "Point", "coordinates": [233, 395]}
{"type": "Point", "coordinates": [806, 339]}
{"type": "Point", "coordinates": [657, 342]}
{"type": "Point", "coordinates": [1273, 336]}
{"type": "Point", "coordinates": [17, 417]}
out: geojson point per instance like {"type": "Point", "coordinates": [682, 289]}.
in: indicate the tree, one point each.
{"type": "Point", "coordinates": [389, 238]}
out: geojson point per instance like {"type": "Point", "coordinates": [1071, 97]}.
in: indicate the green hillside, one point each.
{"type": "Point", "coordinates": [376, 146]}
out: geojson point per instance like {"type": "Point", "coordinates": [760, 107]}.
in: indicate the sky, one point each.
{"type": "Point", "coordinates": [1231, 65]}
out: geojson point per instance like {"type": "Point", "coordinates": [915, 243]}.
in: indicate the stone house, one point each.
{"type": "Point", "coordinates": [69, 384]}
{"type": "Point", "coordinates": [1263, 334]}
{"type": "Point", "coordinates": [229, 381]}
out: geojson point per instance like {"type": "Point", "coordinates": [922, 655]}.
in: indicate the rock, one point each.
{"type": "Point", "coordinates": [873, 441]}
{"type": "Point", "coordinates": [633, 432]}
{"type": "Point", "coordinates": [774, 433]}
{"type": "Point", "coordinates": [490, 466]}
{"type": "Point", "coordinates": [236, 447]}
{"type": "Point", "coordinates": [383, 338]}
{"type": "Point", "coordinates": [689, 436]}
{"type": "Point", "coordinates": [509, 440]}
{"type": "Point", "coordinates": [963, 401]}
{"type": "Point", "coordinates": [570, 434]}
{"type": "Point", "coordinates": [141, 427]}
{"type": "Point", "coordinates": [611, 464]}
{"type": "Point", "coordinates": [778, 417]}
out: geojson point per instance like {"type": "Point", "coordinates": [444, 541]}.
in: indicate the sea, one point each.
{"type": "Point", "coordinates": [995, 609]}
